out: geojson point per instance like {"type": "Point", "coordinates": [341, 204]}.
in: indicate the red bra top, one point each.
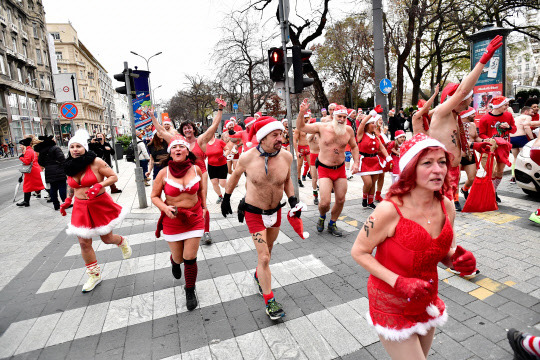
{"type": "Point", "coordinates": [87, 180]}
{"type": "Point", "coordinates": [172, 188]}
{"type": "Point", "coordinates": [201, 156]}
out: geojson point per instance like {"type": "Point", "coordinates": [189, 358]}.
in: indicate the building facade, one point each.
{"type": "Point", "coordinates": [72, 56]}
{"type": "Point", "coordinates": [107, 95]}
{"type": "Point", "coordinates": [27, 101]}
{"type": "Point", "coordinates": [123, 123]}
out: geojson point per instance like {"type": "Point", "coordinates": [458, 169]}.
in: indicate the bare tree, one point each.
{"type": "Point", "coordinates": [194, 102]}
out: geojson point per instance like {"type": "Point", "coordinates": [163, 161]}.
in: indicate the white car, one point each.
{"type": "Point", "coordinates": [527, 171]}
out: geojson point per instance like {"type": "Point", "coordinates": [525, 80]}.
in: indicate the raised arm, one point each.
{"type": "Point", "coordinates": [301, 121]}
{"type": "Point", "coordinates": [207, 135]}
{"type": "Point", "coordinates": [417, 121]}
{"type": "Point", "coordinates": [164, 134]}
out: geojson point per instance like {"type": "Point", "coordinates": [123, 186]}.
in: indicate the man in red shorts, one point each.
{"type": "Point", "coordinates": [302, 150]}
{"type": "Point", "coordinates": [313, 141]}
{"type": "Point", "coordinates": [268, 174]}
{"type": "Point", "coordinates": [333, 138]}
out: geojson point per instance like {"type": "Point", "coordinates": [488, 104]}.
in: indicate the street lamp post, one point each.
{"type": "Point", "coordinates": [148, 69]}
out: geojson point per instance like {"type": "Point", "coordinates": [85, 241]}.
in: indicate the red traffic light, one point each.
{"type": "Point", "coordinates": [276, 64]}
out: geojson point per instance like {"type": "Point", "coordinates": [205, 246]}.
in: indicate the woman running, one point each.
{"type": "Point", "coordinates": [217, 165]}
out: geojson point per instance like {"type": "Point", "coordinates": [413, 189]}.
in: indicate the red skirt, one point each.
{"type": "Point", "coordinates": [370, 165]}
{"type": "Point", "coordinates": [95, 217]}
{"type": "Point", "coordinates": [189, 223]}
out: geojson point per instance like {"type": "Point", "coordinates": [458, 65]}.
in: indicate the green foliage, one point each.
{"type": "Point", "coordinates": [125, 140]}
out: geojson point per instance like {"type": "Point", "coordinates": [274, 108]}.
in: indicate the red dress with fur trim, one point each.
{"type": "Point", "coordinates": [93, 217]}
{"type": "Point", "coordinates": [369, 160]}
{"type": "Point", "coordinates": [411, 253]}
{"type": "Point", "coordinates": [200, 155]}
{"type": "Point", "coordinates": [382, 159]}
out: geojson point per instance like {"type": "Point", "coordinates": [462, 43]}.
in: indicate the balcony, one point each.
{"type": "Point", "coordinates": [21, 57]}
{"type": "Point", "coordinates": [10, 52]}
{"type": "Point", "coordinates": [62, 61]}
{"type": "Point", "coordinates": [14, 28]}
{"type": "Point", "coordinates": [30, 62]}
{"type": "Point", "coordinates": [3, 20]}
{"type": "Point", "coordinates": [81, 63]}
{"type": "Point", "coordinates": [24, 35]}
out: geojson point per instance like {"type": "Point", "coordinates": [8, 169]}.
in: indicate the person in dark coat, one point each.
{"type": "Point", "coordinates": [51, 158]}
{"type": "Point", "coordinates": [104, 150]}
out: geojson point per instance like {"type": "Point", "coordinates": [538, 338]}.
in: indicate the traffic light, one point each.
{"type": "Point", "coordinates": [122, 78]}
{"type": "Point", "coordinates": [300, 58]}
{"type": "Point", "coordinates": [276, 64]}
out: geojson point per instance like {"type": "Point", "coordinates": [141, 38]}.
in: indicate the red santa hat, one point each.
{"type": "Point", "coordinates": [499, 101]}
{"type": "Point", "coordinates": [450, 90]}
{"type": "Point", "coordinates": [249, 121]}
{"type": "Point", "coordinates": [332, 104]}
{"type": "Point", "coordinates": [312, 120]}
{"type": "Point", "coordinates": [178, 140]}
{"type": "Point", "coordinates": [283, 121]}
{"type": "Point", "coordinates": [227, 123]}
{"type": "Point", "coordinates": [264, 126]}
{"type": "Point", "coordinates": [421, 103]}
{"type": "Point", "coordinates": [166, 120]}
{"type": "Point", "coordinates": [399, 133]}
{"type": "Point", "coordinates": [414, 146]}
{"type": "Point", "coordinates": [340, 110]}
{"type": "Point", "coordinates": [466, 113]}
{"type": "Point", "coordinates": [296, 222]}
{"type": "Point", "coordinates": [232, 118]}
{"type": "Point", "coordinates": [258, 114]}
{"type": "Point", "coordinates": [307, 113]}
{"type": "Point", "coordinates": [349, 112]}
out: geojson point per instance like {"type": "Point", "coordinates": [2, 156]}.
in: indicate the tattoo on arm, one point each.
{"type": "Point", "coordinates": [70, 192]}
{"type": "Point", "coordinates": [368, 225]}
{"type": "Point", "coordinates": [454, 137]}
{"type": "Point", "coordinates": [258, 238]}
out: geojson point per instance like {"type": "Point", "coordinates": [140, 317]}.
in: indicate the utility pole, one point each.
{"type": "Point", "coordinates": [139, 176]}
{"type": "Point", "coordinates": [378, 56]}
{"type": "Point", "coordinates": [284, 25]}
{"type": "Point", "coordinates": [112, 136]}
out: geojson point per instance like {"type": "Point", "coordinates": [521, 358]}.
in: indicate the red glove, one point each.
{"type": "Point", "coordinates": [482, 147]}
{"type": "Point", "coordinates": [64, 206]}
{"type": "Point", "coordinates": [93, 191]}
{"type": "Point", "coordinates": [221, 102]}
{"type": "Point", "coordinates": [412, 287]}
{"type": "Point", "coordinates": [463, 261]}
{"type": "Point", "coordinates": [378, 109]}
{"type": "Point", "coordinates": [490, 50]}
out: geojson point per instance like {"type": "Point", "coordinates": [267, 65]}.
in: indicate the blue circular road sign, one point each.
{"type": "Point", "coordinates": [385, 86]}
{"type": "Point", "coordinates": [235, 106]}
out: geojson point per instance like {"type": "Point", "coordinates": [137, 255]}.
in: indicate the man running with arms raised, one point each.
{"type": "Point", "coordinates": [268, 174]}
{"type": "Point", "coordinates": [333, 138]}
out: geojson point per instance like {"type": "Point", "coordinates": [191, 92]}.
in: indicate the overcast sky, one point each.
{"type": "Point", "coordinates": [184, 30]}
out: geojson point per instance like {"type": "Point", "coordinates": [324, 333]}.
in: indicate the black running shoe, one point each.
{"type": "Point", "coordinates": [274, 310]}
{"type": "Point", "coordinates": [191, 298]}
{"type": "Point", "coordinates": [316, 201]}
{"type": "Point", "coordinates": [371, 205]}
{"type": "Point", "coordinates": [457, 206]}
{"type": "Point", "coordinates": [309, 175]}
{"type": "Point", "coordinates": [465, 193]}
{"type": "Point", "coordinates": [176, 269]}
{"type": "Point", "coordinates": [364, 202]}
{"type": "Point", "coordinates": [497, 198]}
{"type": "Point", "coordinates": [300, 183]}
{"type": "Point", "coordinates": [303, 178]}
{"type": "Point", "coordinates": [515, 338]}
{"type": "Point", "coordinates": [207, 238]}
{"type": "Point", "coordinates": [333, 229]}
{"type": "Point", "coordinates": [259, 288]}
{"type": "Point", "coordinates": [320, 224]}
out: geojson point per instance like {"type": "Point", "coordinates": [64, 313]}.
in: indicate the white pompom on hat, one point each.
{"type": "Point", "coordinates": [81, 137]}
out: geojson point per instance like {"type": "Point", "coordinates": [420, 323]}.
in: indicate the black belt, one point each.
{"type": "Point", "coordinates": [255, 210]}
{"type": "Point", "coordinates": [334, 167]}
{"type": "Point", "coordinates": [368, 155]}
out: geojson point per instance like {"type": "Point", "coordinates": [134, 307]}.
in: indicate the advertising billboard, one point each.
{"type": "Point", "coordinates": [490, 83]}
{"type": "Point", "coordinates": [141, 103]}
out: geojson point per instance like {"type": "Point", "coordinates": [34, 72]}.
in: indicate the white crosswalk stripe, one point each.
{"type": "Point", "coordinates": [136, 265]}
{"type": "Point", "coordinates": [326, 334]}
{"type": "Point", "coordinates": [98, 245]}
{"type": "Point", "coordinates": [33, 334]}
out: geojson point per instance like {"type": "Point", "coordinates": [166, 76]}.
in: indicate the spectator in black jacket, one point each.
{"type": "Point", "coordinates": [103, 150]}
{"type": "Point", "coordinates": [51, 158]}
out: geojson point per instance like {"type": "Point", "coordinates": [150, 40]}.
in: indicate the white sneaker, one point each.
{"type": "Point", "coordinates": [126, 249]}
{"type": "Point", "coordinates": [91, 283]}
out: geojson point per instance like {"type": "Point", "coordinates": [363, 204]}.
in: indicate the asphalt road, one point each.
{"type": "Point", "coordinates": [9, 173]}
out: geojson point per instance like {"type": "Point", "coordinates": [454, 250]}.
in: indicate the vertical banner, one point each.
{"type": "Point", "coordinates": [491, 82]}
{"type": "Point", "coordinates": [141, 104]}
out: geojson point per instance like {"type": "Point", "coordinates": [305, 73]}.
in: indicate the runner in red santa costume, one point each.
{"type": "Point", "coordinates": [412, 231]}
{"type": "Point", "coordinates": [198, 148]}
{"type": "Point", "coordinates": [245, 135]}
{"type": "Point", "coordinates": [369, 146]}
{"type": "Point", "coordinates": [94, 211]}
{"type": "Point", "coordinates": [393, 148]}
{"type": "Point", "coordinates": [495, 128]}
{"type": "Point", "coordinates": [421, 119]}
{"type": "Point", "coordinates": [182, 219]}
{"type": "Point", "coordinates": [384, 140]}
{"type": "Point", "coordinates": [268, 175]}
{"type": "Point", "coordinates": [446, 125]}
{"type": "Point", "coordinates": [168, 125]}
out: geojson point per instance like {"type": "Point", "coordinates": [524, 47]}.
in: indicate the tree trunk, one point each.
{"type": "Point", "coordinates": [251, 95]}
{"type": "Point", "coordinates": [320, 96]}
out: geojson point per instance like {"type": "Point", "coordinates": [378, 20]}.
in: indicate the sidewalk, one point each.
{"type": "Point", "coordinates": [138, 312]}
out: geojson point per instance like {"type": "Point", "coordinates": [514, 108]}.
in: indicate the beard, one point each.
{"type": "Point", "coordinates": [339, 129]}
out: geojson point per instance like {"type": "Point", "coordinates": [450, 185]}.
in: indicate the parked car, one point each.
{"type": "Point", "coordinates": [527, 171]}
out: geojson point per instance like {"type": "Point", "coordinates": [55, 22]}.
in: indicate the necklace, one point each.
{"type": "Point", "coordinates": [430, 211]}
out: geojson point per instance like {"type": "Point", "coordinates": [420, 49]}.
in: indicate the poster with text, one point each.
{"type": "Point", "coordinates": [490, 83]}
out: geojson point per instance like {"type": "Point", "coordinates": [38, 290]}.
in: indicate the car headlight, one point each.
{"type": "Point", "coordinates": [526, 152]}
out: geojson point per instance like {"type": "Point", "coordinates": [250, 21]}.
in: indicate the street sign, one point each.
{"type": "Point", "coordinates": [385, 86]}
{"type": "Point", "coordinates": [235, 106]}
{"type": "Point", "coordinates": [69, 111]}
{"type": "Point", "coordinates": [65, 87]}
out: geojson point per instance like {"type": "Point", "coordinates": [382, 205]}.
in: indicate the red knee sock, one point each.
{"type": "Point", "coordinates": [207, 222]}
{"type": "Point", "coordinates": [466, 188]}
{"type": "Point", "coordinates": [190, 272]}
{"type": "Point", "coordinates": [364, 196]}
{"type": "Point", "coordinates": [93, 268]}
{"type": "Point", "coordinates": [306, 168]}
{"type": "Point", "coordinates": [268, 297]}
{"type": "Point", "coordinates": [370, 199]}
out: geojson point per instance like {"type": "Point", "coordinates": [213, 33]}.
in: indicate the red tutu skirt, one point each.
{"type": "Point", "coordinates": [98, 216]}
{"type": "Point", "coordinates": [189, 223]}
{"type": "Point", "coordinates": [370, 165]}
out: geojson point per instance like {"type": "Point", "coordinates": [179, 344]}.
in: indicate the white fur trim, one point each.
{"type": "Point", "coordinates": [305, 234]}
{"type": "Point", "coordinates": [340, 112]}
{"type": "Point", "coordinates": [415, 149]}
{"type": "Point", "coordinates": [88, 233]}
{"type": "Point", "coordinates": [268, 128]}
{"type": "Point", "coordinates": [403, 334]}
{"type": "Point", "coordinates": [468, 95]}
{"type": "Point", "coordinates": [177, 142]}
{"type": "Point", "coordinates": [401, 136]}
{"type": "Point", "coordinates": [505, 101]}
{"type": "Point", "coordinates": [299, 206]}
{"type": "Point", "coordinates": [183, 236]}
{"type": "Point", "coordinates": [370, 172]}
{"type": "Point", "coordinates": [372, 119]}
{"type": "Point", "coordinates": [467, 114]}
{"type": "Point", "coordinates": [433, 310]}
{"type": "Point", "coordinates": [248, 144]}
{"type": "Point", "coordinates": [251, 122]}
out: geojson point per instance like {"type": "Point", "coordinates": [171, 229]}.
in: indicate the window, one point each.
{"type": "Point", "coordinates": [22, 102]}
{"type": "Point", "coordinates": [9, 15]}
{"type": "Point", "coordinates": [42, 81]}
{"type": "Point", "coordinates": [527, 67]}
{"type": "Point", "coordinates": [13, 104]}
{"type": "Point", "coordinates": [14, 40]}
{"type": "Point", "coordinates": [38, 57]}
{"type": "Point", "coordinates": [84, 92]}
{"type": "Point", "coordinates": [59, 70]}
{"type": "Point", "coordinates": [82, 74]}
{"type": "Point", "coordinates": [54, 109]}
{"type": "Point", "coordinates": [55, 35]}
{"type": "Point", "coordinates": [49, 82]}
{"type": "Point", "coordinates": [25, 53]}
{"type": "Point", "coordinates": [3, 37]}
{"type": "Point", "coordinates": [58, 55]}
{"type": "Point", "coordinates": [19, 74]}
{"type": "Point", "coordinates": [2, 65]}
{"type": "Point", "coordinates": [35, 30]}
{"type": "Point", "coordinates": [45, 58]}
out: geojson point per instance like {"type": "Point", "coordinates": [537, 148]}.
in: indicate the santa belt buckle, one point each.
{"type": "Point", "coordinates": [334, 167]}
{"type": "Point", "coordinates": [255, 210]}
{"type": "Point", "coordinates": [368, 155]}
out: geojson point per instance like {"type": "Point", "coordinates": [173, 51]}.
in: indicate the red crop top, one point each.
{"type": "Point", "coordinates": [172, 188]}
{"type": "Point", "coordinates": [87, 180]}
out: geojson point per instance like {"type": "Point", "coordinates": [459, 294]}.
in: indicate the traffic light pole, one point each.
{"type": "Point", "coordinates": [112, 137]}
{"type": "Point", "coordinates": [139, 176]}
{"type": "Point", "coordinates": [284, 23]}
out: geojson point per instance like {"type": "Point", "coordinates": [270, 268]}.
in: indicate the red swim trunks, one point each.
{"type": "Point", "coordinates": [303, 150]}
{"type": "Point", "coordinates": [334, 173]}
{"type": "Point", "coordinates": [313, 158]}
{"type": "Point", "coordinates": [257, 222]}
